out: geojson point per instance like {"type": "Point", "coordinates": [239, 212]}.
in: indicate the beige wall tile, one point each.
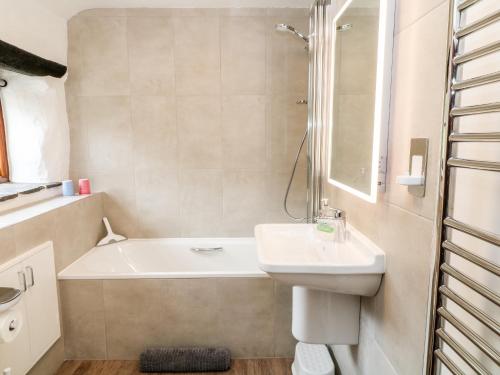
{"type": "Point", "coordinates": [79, 150]}
{"type": "Point", "coordinates": [244, 201]}
{"type": "Point", "coordinates": [34, 232]}
{"type": "Point", "coordinates": [201, 201]}
{"type": "Point", "coordinates": [83, 319]}
{"type": "Point", "coordinates": [410, 95]}
{"type": "Point", "coordinates": [276, 184]}
{"type": "Point", "coordinates": [150, 52]}
{"type": "Point", "coordinates": [8, 241]}
{"type": "Point", "coordinates": [286, 125]}
{"type": "Point", "coordinates": [243, 12]}
{"type": "Point", "coordinates": [157, 128]}
{"type": "Point", "coordinates": [196, 12]}
{"type": "Point", "coordinates": [93, 212]}
{"type": "Point", "coordinates": [119, 201]}
{"type": "Point", "coordinates": [243, 55]}
{"type": "Point", "coordinates": [154, 132]}
{"type": "Point", "coordinates": [200, 132]}
{"type": "Point", "coordinates": [284, 342]}
{"type": "Point", "coordinates": [134, 316]}
{"type": "Point", "coordinates": [158, 187]}
{"type": "Point", "coordinates": [69, 235]}
{"type": "Point", "coordinates": [244, 132]}
{"type": "Point", "coordinates": [408, 11]}
{"type": "Point", "coordinates": [107, 120]}
{"type": "Point", "coordinates": [408, 248]}
{"type": "Point", "coordinates": [197, 55]}
{"type": "Point", "coordinates": [77, 228]}
{"type": "Point", "coordinates": [289, 12]}
{"type": "Point", "coordinates": [149, 12]}
{"type": "Point", "coordinates": [103, 12]}
{"type": "Point", "coordinates": [97, 56]}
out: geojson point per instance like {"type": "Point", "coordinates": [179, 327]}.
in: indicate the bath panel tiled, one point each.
{"type": "Point", "coordinates": [133, 314]}
{"type": "Point", "coordinates": [83, 319]}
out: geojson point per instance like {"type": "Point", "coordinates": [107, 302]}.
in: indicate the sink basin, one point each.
{"type": "Point", "coordinates": [294, 254]}
{"type": "Point", "coordinates": [328, 278]}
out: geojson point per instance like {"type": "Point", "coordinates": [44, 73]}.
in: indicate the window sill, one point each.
{"type": "Point", "coordinates": [13, 196]}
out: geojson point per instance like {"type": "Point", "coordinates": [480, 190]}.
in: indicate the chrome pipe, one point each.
{"type": "Point", "coordinates": [475, 109]}
{"type": "Point", "coordinates": [450, 365]}
{"type": "Point", "coordinates": [474, 285]}
{"type": "Point", "coordinates": [474, 137]}
{"type": "Point", "coordinates": [462, 352]}
{"type": "Point", "coordinates": [474, 164]}
{"type": "Point", "coordinates": [477, 340]}
{"type": "Point", "coordinates": [477, 260]}
{"type": "Point", "coordinates": [478, 52]}
{"type": "Point", "coordinates": [474, 311]}
{"type": "Point", "coordinates": [465, 4]}
{"type": "Point", "coordinates": [476, 81]}
{"type": "Point", "coordinates": [473, 231]}
{"type": "Point", "coordinates": [477, 25]}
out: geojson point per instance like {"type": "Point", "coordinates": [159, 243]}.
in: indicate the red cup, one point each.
{"type": "Point", "coordinates": [84, 186]}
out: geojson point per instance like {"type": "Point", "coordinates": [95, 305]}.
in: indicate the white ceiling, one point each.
{"type": "Point", "coordinates": [68, 8]}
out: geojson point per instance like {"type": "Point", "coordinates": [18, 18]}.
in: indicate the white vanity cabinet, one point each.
{"type": "Point", "coordinates": [33, 273]}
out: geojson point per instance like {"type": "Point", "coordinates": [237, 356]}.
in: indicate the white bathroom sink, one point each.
{"type": "Point", "coordinates": [294, 254]}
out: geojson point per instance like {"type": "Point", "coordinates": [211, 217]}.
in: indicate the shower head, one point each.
{"type": "Point", "coordinates": [283, 27]}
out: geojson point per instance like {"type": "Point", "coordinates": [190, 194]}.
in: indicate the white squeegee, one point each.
{"type": "Point", "coordinates": [110, 237]}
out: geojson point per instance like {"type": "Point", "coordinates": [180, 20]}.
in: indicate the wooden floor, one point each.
{"type": "Point", "coordinates": [267, 366]}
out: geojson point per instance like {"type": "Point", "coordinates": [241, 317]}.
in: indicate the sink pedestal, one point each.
{"type": "Point", "coordinates": [322, 317]}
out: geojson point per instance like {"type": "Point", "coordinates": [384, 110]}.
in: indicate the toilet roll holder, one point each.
{"type": "Point", "coordinates": [9, 297]}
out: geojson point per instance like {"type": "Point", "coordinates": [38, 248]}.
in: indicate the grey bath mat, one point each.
{"type": "Point", "coordinates": [194, 359]}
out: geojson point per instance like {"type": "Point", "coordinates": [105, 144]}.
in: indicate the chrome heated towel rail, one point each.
{"type": "Point", "coordinates": [464, 328]}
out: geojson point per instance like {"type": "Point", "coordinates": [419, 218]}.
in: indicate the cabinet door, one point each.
{"type": "Point", "coordinates": [41, 301]}
{"type": "Point", "coordinates": [16, 354]}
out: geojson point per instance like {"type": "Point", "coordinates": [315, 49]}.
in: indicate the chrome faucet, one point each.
{"type": "Point", "coordinates": [334, 216]}
{"type": "Point", "coordinates": [327, 212]}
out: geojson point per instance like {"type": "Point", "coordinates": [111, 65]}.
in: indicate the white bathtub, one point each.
{"type": "Point", "coordinates": [167, 258]}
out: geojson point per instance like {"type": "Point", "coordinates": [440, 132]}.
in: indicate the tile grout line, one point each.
{"type": "Point", "coordinates": [419, 18]}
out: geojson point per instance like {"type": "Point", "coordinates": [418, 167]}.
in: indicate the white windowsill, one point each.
{"type": "Point", "coordinates": [22, 200]}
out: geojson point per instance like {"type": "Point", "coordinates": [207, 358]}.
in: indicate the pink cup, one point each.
{"type": "Point", "coordinates": [84, 186]}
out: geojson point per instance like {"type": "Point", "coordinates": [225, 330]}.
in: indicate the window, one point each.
{"type": "Point", "coordinates": [4, 162]}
